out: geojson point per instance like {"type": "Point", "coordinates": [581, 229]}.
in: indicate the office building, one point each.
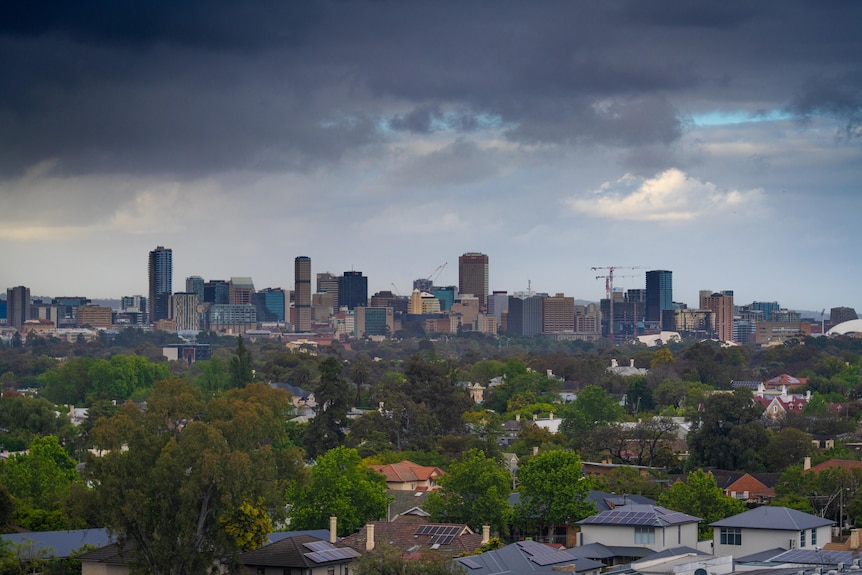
{"type": "Point", "coordinates": [240, 290]}
{"type": "Point", "coordinates": [230, 318]}
{"type": "Point", "coordinates": [659, 298]}
{"type": "Point", "coordinates": [161, 268]}
{"type": "Point", "coordinates": [352, 290]}
{"type": "Point", "coordinates": [185, 311]}
{"type": "Point", "coordinates": [498, 304]}
{"type": "Point", "coordinates": [302, 290]}
{"type": "Point", "coordinates": [217, 291]}
{"type": "Point", "coordinates": [95, 316]}
{"type": "Point", "coordinates": [841, 314]}
{"type": "Point", "coordinates": [134, 307]}
{"type": "Point", "coordinates": [525, 315]}
{"type": "Point", "coordinates": [558, 314]}
{"type": "Point", "coordinates": [473, 277]}
{"type": "Point", "coordinates": [446, 295]}
{"type": "Point", "coordinates": [721, 305]}
{"type": "Point", "coordinates": [270, 304]}
{"type": "Point", "coordinates": [17, 306]}
{"type": "Point", "coordinates": [373, 321]}
{"type": "Point", "coordinates": [195, 284]}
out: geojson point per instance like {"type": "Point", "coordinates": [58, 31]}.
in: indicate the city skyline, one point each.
{"type": "Point", "coordinates": [722, 141]}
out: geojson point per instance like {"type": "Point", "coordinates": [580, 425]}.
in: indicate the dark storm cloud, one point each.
{"type": "Point", "coordinates": [840, 97]}
{"type": "Point", "coordinates": [201, 86]}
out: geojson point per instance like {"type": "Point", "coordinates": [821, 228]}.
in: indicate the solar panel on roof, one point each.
{"type": "Point", "coordinates": [447, 539]}
{"type": "Point", "coordinates": [551, 558]}
{"type": "Point", "coordinates": [317, 545]}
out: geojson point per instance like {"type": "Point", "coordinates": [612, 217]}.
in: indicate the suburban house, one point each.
{"type": "Point", "coordinates": [777, 407]}
{"type": "Point", "coordinates": [755, 487]}
{"type": "Point", "coordinates": [414, 539]}
{"type": "Point", "coordinates": [300, 554]}
{"type": "Point", "coordinates": [769, 527]}
{"type": "Point", "coordinates": [637, 525]}
{"type": "Point", "coordinates": [529, 557]}
{"type": "Point", "coordinates": [408, 476]}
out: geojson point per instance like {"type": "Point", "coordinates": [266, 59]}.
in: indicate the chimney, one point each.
{"type": "Point", "coordinates": [551, 416]}
{"type": "Point", "coordinates": [535, 450]}
{"type": "Point", "coordinates": [631, 363]}
{"type": "Point", "coordinates": [806, 465]}
{"type": "Point", "coordinates": [854, 540]}
{"type": "Point", "coordinates": [333, 528]}
{"type": "Point", "coordinates": [369, 537]}
{"type": "Point", "coordinates": [613, 362]}
{"type": "Point", "coordinates": [486, 534]}
{"type": "Point", "coordinates": [517, 417]}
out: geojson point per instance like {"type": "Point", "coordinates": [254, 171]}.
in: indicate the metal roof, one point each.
{"type": "Point", "coordinates": [775, 518]}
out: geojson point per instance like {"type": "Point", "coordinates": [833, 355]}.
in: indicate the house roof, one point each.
{"type": "Point", "coordinates": [526, 557]}
{"type": "Point", "coordinates": [414, 536]}
{"type": "Point", "coordinates": [406, 471]}
{"type": "Point", "coordinates": [786, 379]}
{"type": "Point", "coordinates": [300, 551]}
{"type": "Point", "coordinates": [111, 554]}
{"type": "Point", "coordinates": [829, 463]}
{"type": "Point", "coordinates": [774, 518]}
{"type": "Point", "coordinates": [401, 502]}
{"type": "Point", "coordinates": [60, 543]}
{"type": "Point", "coordinates": [607, 501]}
{"type": "Point", "coordinates": [640, 515]}
{"type": "Point", "coordinates": [752, 385]}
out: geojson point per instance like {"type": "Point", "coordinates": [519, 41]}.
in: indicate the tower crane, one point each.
{"type": "Point", "coordinates": [436, 273]}
{"type": "Point", "coordinates": [609, 288]}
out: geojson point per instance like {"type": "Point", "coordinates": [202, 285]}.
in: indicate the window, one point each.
{"type": "Point", "coordinates": [814, 537]}
{"type": "Point", "coordinates": [731, 536]}
{"type": "Point", "coordinates": [802, 539]}
{"type": "Point", "coordinates": [644, 535]}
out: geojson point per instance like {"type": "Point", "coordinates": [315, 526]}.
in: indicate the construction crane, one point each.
{"type": "Point", "coordinates": [436, 273]}
{"type": "Point", "coordinates": [609, 288]}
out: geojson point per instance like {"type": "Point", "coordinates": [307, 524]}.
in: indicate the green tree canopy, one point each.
{"type": "Point", "coordinates": [701, 497]}
{"type": "Point", "coordinates": [173, 478]}
{"type": "Point", "coordinates": [727, 433]}
{"type": "Point", "coordinates": [474, 491]}
{"type": "Point", "coordinates": [553, 491]}
{"type": "Point", "coordinates": [592, 407]}
{"type": "Point", "coordinates": [340, 485]}
{"type": "Point", "coordinates": [327, 430]}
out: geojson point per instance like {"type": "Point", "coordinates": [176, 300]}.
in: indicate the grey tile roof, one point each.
{"type": "Point", "coordinates": [775, 518]}
{"type": "Point", "coordinates": [61, 543]}
{"type": "Point", "coordinates": [525, 557]}
{"type": "Point", "coordinates": [607, 501]}
{"type": "Point", "coordinates": [639, 514]}
{"type": "Point", "coordinates": [301, 551]}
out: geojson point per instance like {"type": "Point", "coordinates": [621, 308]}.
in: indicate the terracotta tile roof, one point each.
{"type": "Point", "coordinates": [407, 471]}
{"type": "Point", "coordinates": [404, 537]}
{"type": "Point", "coordinates": [829, 463]}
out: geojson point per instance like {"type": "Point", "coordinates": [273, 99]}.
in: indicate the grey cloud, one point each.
{"type": "Point", "coordinates": [840, 97]}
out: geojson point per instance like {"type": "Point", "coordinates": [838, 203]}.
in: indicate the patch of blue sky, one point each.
{"type": "Point", "coordinates": [730, 117]}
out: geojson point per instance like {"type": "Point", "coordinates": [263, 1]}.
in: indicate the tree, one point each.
{"type": "Point", "coordinates": [387, 560]}
{"type": "Point", "coordinates": [553, 491]}
{"type": "Point", "coordinates": [786, 448]}
{"type": "Point", "coordinates": [592, 407]}
{"type": "Point", "coordinates": [727, 434]}
{"type": "Point", "coordinates": [701, 497]}
{"type": "Point", "coordinates": [185, 472]}
{"type": "Point", "coordinates": [326, 430]}
{"type": "Point", "coordinates": [474, 491]}
{"type": "Point", "coordinates": [342, 486]}
{"type": "Point", "coordinates": [240, 365]}
{"type": "Point", "coordinates": [39, 481]}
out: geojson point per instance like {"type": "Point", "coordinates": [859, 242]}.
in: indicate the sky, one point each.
{"type": "Point", "coordinates": [719, 140]}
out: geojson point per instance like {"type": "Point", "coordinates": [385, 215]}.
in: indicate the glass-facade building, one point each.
{"type": "Point", "coordinates": [161, 268]}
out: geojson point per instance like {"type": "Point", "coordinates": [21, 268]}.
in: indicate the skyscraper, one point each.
{"type": "Point", "coordinates": [352, 290]}
{"type": "Point", "coordinates": [659, 297]}
{"type": "Point", "coordinates": [473, 277]}
{"type": "Point", "coordinates": [195, 284]}
{"type": "Point", "coordinates": [161, 283]}
{"type": "Point", "coordinates": [184, 310]}
{"type": "Point", "coordinates": [721, 305]}
{"type": "Point", "coordinates": [302, 290]}
{"type": "Point", "coordinates": [17, 306]}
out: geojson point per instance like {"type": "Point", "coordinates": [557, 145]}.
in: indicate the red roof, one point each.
{"type": "Point", "coordinates": [407, 471]}
{"type": "Point", "coordinates": [842, 463]}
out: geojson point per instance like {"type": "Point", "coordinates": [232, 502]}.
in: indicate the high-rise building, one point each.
{"type": "Point", "coordinates": [473, 277]}
{"type": "Point", "coordinates": [525, 315]}
{"type": "Point", "coordinates": [558, 314]}
{"type": "Point", "coordinates": [352, 290]}
{"type": "Point", "coordinates": [195, 284]}
{"type": "Point", "coordinates": [841, 314]}
{"type": "Point", "coordinates": [302, 289]}
{"type": "Point", "coordinates": [721, 305]}
{"type": "Point", "coordinates": [270, 304]}
{"type": "Point", "coordinates": [217, 291]}
{"type": "Point", "coordinates": [161, 267]}
{"type": "Point", "coordinates": [659, 298]}
{"type": "Point", "coordinates": [17, 306]}
{"type": "Point", "coordinates": [184, 311]}
{"type": "Point", "coordinates": [135, 307]}
{"type": "Point", "coordinates": [241, 290]}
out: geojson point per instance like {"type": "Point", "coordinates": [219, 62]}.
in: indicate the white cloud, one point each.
{"type": "Point", "coordinates": [670, 196]}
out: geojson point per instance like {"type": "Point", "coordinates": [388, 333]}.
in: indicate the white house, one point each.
{"type": "Point", "coordinates": [638, 525]}
{"type": "Point", "coordinates": [767, 527]}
